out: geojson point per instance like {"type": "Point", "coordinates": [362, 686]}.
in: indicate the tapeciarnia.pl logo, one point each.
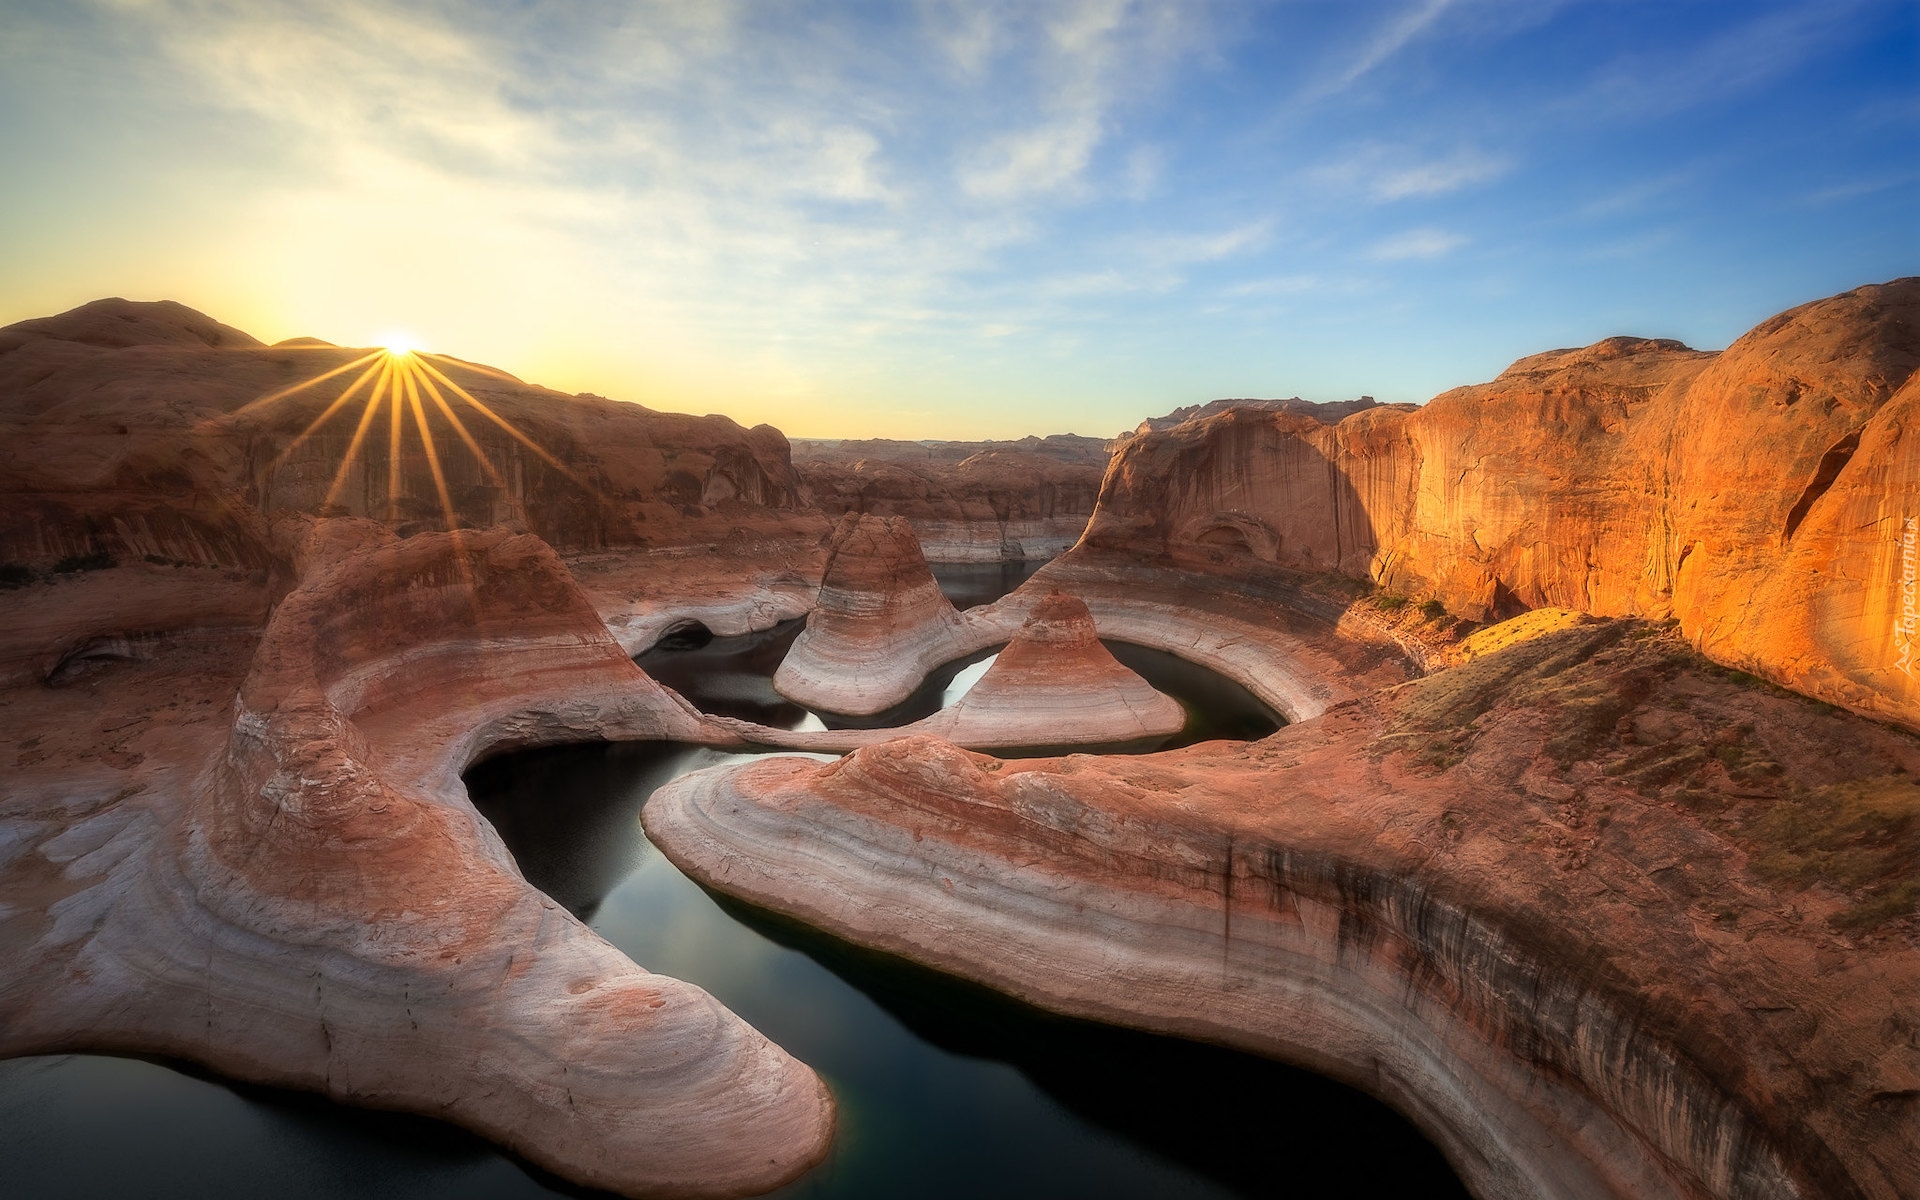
{"type": "Point", "coordinates": [1906, 619]}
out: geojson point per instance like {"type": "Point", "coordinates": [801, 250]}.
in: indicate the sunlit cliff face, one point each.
{"type": "Point", "coordinates": [394, 385]}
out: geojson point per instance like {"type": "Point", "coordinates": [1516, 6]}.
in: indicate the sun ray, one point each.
{"type": "Point", "coordinates": [503, 423]}
{"type": "Point", "coordinates": [414, 377]}
{"type": "Point", "coordinates": [393, 441]}
{"type": "Point", "coordinates": [460, 427]}
{"type": "Point", "coordinates": [433, 454]}
{"type": "Point", "coordinates": [398, 378]}
{"type": "Point", "coordinates": [360, 432]}
{"type": "Point", "coordinates": [304, 384]}
{"type": "Point", "coordinates": [336, 406]}
{"type": "Point", "coordinates": [463, 365]}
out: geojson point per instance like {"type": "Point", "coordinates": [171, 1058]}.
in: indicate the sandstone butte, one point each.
{"type": "Point", "coordinates": [881, 624]}
{"type": "Point", "coordinates": [1054, 675]}
{"type": "Point", "coordinates": [1603, 915]}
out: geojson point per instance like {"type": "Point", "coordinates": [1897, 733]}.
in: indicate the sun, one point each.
{"type": "Point", "coordinates": [408, 383]}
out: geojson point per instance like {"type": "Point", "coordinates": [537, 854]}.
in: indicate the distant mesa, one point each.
{"type": "Point", "coordinates": [1327, 412]}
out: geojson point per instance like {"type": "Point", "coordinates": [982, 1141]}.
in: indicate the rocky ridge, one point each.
{"type": "Point", "coordinates": [1054, 680]}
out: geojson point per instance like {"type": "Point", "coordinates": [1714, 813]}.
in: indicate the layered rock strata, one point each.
{"type": "Point", "coordinates": [968, 501]}
{"type": "Point", "coordinates": [881, 625]}
{"type": "Point", "coordinates": [1054, 685]}
{"type": "Point", "coordinates": [1761, 495]}
{"type": "Point", "coordinates": [1576, 986]}
{"type": "Point", "coordinates": [301, 894]}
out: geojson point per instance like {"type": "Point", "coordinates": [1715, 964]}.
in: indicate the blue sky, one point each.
{"type": "Point", "coordinates": [962, 220]}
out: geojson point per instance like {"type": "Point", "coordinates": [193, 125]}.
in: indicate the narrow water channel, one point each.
{"type": "Point", "coordinates": [945, 1090]}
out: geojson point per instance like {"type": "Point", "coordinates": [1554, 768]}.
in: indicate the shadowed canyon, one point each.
{"type": "Point", "coordinates": [1536, 770]}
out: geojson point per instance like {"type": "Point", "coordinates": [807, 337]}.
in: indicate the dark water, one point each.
{"type": "Point", "coordinates": [733, 676]}
{"type": "Point", "coordinates": [945, 1090]}
{"type": "Point", "coordinates": [969, 585]}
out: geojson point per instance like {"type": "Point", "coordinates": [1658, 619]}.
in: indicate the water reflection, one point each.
{"type": "Point", "coordinates": [733, 676]}
{"type": "Point", "coordinates": [946, 1090]}
{"type": "Point", "coordinates": [969, 585]}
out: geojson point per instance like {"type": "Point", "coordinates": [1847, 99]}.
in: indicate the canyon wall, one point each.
{"type": "Point", "coordinates": [277, 875]}
{"type": "Point", "coordinates": [1759, 495]}
{"type": "Point", "coordinates": [968, 501]}
{"type": "Point", "coordinates": [1568, 907]}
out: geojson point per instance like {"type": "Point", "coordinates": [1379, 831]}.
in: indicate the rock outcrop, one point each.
{"type": "Point", "coordinates": [881, 625]}
{"type": "Point", "coordinates": [1053, 685]}
{"type": "Point", "coordinates": [1516, 899]}
{"type": "Point", "coordinates": [968, 501]}
{"type": "Point", "coordinates": [300, 894]}
{"type": "Point", "coordinates": [1327, 412]}
{"type": "Point", "coordinates": [1759, 495]}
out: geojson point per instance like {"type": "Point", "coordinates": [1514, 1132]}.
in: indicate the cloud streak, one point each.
{"type": "Point", "coordinates": [1416, 245]}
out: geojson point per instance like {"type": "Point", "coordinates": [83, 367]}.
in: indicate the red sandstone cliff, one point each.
{"type": "Point", "coordinates": [1758, 494]}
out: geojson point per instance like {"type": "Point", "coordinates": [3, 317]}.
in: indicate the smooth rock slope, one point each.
{"type": "Point", "coordinates": [300, 894]}
{"type": "Point", "coordinates": [1515, 899]}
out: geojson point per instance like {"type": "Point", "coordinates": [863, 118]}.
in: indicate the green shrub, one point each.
{"type": "Point", "coordinates": [1433, 610]}
{"type": "Point", "coordinates": [13, 575]}
{"type": "Point", "coordinates": [1390, 602]}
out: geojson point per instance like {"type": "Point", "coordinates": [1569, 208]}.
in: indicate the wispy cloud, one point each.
{"type": "Point", "coordinates": [1275, 285]}
{"type": "Point", "coordinates": [1383, 42]}
{"type": "Point", "coordinates": [1091, 57]}
{"type": "Point", "coordinates": [727, 203]}
{"type": "Point", "coordinates": [1386, 174]}
{"type": "Point", "coordinates": [1416, 244]}
{"type": "Point", "coordinates": [1855, 188]}
{"type": "Point", "coordinates": [1734, 63]}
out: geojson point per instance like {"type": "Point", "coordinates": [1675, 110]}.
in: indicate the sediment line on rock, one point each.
{"type": "Point", "coordinates": [1537, 1079]}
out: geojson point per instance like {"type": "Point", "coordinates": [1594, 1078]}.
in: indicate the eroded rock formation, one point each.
{"type": "Point", "coordinates": [1604, 918]}
{"type": "Point", "coordinates": [299, 893]}
{"type": "Point", "coordinates": [1759, 495]}
{"type": "Point", "coordinates": [1054, 682]}
{"type": "Point", "coordinates": [1576, 985]}
{"type": "Point", "coordinates": [881, 625]}
{"type": "Point", "coordinates": [968, 501]}
{"type": "Point", "coordinates": [1056, 679]}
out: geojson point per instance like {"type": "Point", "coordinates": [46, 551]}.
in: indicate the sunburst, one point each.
{"type": "Point", "coordinates": [399, 381]}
